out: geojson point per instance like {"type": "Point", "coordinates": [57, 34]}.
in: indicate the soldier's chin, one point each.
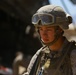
{"type": "Point", "coordinates": [45, 43]}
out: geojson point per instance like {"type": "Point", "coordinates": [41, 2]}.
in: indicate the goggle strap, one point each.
{"type": "Point", "coordinates": [59, 19]}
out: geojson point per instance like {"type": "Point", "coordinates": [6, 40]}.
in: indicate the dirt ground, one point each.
{"type": "Point", "coordinates": [71, 33]}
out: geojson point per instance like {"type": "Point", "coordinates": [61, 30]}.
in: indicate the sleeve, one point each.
{"type": "Point", "coordinates": [73, 61]}
{"type": "Point", "coordinates": [33, 60]}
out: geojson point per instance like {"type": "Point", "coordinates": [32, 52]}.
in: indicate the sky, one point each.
{"type": "Point", "coordinates": [67, 5]}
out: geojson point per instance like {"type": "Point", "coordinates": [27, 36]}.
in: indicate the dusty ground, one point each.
{"type": "Point", "coordinates": [71, 33]}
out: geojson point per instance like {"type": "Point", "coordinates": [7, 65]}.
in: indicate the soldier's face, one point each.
{"type": "Point", "coordinates": [47, 33]}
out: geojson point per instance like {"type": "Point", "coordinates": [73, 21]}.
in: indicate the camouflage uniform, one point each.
{"type": "Point", "coordinates": [67, 67]}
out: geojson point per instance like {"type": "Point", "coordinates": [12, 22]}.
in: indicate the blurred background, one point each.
{"type": "Point", "coordinates": [16, 31]}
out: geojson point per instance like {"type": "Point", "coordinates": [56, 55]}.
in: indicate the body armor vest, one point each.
{"type": "Point", "coordinates": [49, 62]}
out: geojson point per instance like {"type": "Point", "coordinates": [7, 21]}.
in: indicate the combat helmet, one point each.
{"type": "Point", "coordinates": [52, 15]}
